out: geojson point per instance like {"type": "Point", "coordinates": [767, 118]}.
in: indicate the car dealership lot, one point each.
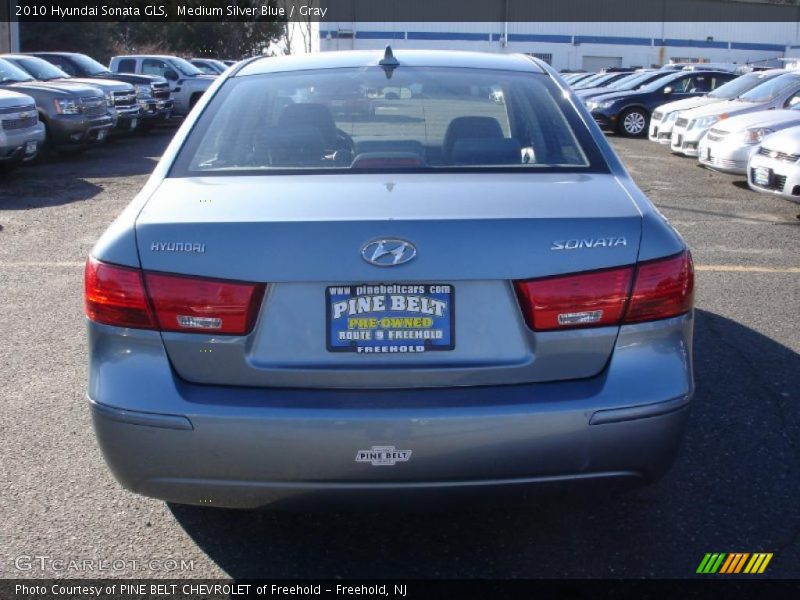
{"type": "Point", "coordinates": [734, 487]}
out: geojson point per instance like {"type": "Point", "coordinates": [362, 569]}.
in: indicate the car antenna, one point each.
{"type": "Point", "coordinates": [389, 62]}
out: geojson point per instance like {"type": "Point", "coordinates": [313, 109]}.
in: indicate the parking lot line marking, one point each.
{"type": "Point", "coordinates": [40, 264]}
{"type": "Point", "coordinates": [745, 269]}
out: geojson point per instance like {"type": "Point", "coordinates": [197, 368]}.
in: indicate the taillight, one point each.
{"type": "Point", "coordinates": [115, 296]}
{"type": "Point", "coordinates": [663, 288]}
{"type": "Point", "coordinates": [213, 306]}
{"type": "Point", "coordinates": [582, 300]}
{"type": "Point", "coordinates": [653, 290]}
{"type": "Point", "coordinates": [128, 297]}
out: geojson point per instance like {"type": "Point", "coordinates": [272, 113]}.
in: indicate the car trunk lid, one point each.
{"type": "Point", "coordinates": [303, 236]}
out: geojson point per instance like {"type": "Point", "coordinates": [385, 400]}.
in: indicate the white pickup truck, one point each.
{"type": "Point", "coordinates": [21, 132]}
{"type": "Point", "coordinates": [187, 83]}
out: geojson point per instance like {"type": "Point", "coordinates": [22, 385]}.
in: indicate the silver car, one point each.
{"type": "Point", "coordinates": [728, 144]}
{"type": "Point", "coordinates": [774, 168]}
{"type": "Point", "coordinates": [664, 117]}
{"type": "Point", "coordinates": [443, 294]}
{"type": "Point", "coordinates": [21, 132]}
{"type": "Point", "coordinates": [692, 125]}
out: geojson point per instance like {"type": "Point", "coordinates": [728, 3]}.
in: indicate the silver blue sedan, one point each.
{"type": "Point", "coordinates": [375, 273]}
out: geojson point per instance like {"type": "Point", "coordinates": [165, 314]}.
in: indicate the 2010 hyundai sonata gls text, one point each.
{"type": "Point", "coordinates": [393, 273]}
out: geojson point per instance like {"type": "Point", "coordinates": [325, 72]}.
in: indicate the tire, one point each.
{"type": "Point", "coordinates": [633, 123]}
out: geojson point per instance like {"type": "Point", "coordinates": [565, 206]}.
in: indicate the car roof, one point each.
{"type": "Point", "coordinates": [413, 58]}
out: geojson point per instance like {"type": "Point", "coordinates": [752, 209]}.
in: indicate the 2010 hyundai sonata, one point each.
{"type": "Point", "coordinates": [361, 272]}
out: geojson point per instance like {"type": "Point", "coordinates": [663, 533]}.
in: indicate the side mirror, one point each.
{"type": "Point", "coordinates": [667, 90]}
{"type": "Point", "coordinates": [171, 75]}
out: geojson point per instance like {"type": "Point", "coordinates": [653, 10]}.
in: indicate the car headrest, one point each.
{"type": "Point", "coordinates": [503, 151]}
{"type": "Point", "coordinates": [290, 146]}
{"type": "Point", "coordinates": [308, 114]}
{"type": "Point", "coordinates": [470, 128]}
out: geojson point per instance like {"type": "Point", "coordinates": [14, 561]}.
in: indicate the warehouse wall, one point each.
{"type": "Point", "coordinates": [572, 45]}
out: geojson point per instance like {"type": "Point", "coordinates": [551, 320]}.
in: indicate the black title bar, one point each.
{"type": "Point", "coordinates": [332, 11]}
{"type": "Point", "coordinates": [730, 588]}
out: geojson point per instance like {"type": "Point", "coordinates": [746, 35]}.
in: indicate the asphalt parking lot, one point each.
{"type": "Point", "coordinates": [734, 488]}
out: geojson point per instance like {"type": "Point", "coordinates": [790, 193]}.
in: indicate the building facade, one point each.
{"type": "Point", "coordinates": [580, 46]}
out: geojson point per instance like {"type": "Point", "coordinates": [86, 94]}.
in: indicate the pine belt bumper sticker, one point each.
{"type": "Point", "coordinates": [390, 318]}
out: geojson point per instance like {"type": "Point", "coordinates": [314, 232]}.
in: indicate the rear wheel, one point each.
{"type": "Point", "coordinates": [633, 122]}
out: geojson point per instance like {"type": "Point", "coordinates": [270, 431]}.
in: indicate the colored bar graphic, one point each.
{"type": "Point", "coordinates": [728, 564]}
{"type": "Point", "coordinates": [711, 563]}
{"type": "Point", "coordinates": [717, 564]}
{"type": "Point", "coordinates": [732, 558]}
{"type": "Point", "coordinates": [703, 563]}
{"type": "Point", "coordinates": [734, 562]}
{"type": "Point", "coordinates": [741, 562]}
{"type": "Point", "coordinates": [766, 562]}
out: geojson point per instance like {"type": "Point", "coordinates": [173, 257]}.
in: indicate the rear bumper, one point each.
{"type": "Point", "coordinates": [240, 447]}
{"type": "Point", "coordinates": [232, 463]}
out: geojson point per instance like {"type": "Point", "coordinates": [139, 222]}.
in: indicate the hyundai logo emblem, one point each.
{"type": "Point", "coordinates": [388, 252]}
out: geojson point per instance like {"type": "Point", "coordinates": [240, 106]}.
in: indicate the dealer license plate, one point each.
{"type": "Point", "coordinates": [390, 318]}
{"type": "Point", "coordinates": [762, 176]}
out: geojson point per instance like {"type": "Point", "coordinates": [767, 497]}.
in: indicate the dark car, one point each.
{"type": "Point", "coordinates": [152, 93]}
{"type": "Point", "coordinates": [579, 78]}
{"type": "Point", "coordinates": [75, 116]}
{"type": "Point", "coordinates": [633, 81]}
{"type": "Point", "coordinates": [628, 112]}
{"type": "Point", "coordinates": [601, 79]}
{"type": "Point", "coordinates": [120, 96]}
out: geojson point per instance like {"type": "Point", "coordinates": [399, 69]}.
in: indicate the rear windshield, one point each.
{"type": "Point", "coordinates": [358, 118]}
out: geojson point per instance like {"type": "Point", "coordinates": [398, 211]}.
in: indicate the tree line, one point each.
{"type": "Point", "coordinates": [213, 39]}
